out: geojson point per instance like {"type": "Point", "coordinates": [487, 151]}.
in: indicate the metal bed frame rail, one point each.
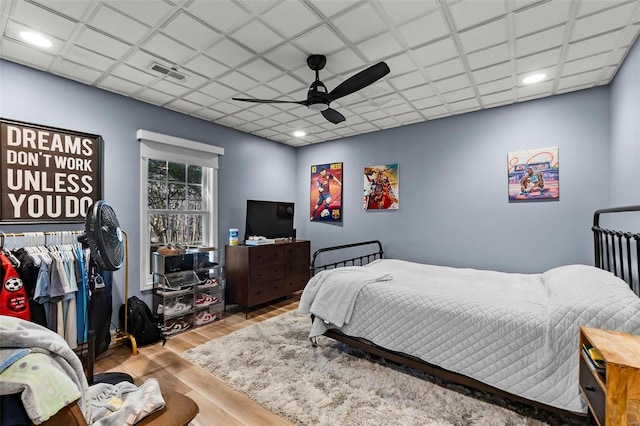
{"type": "Point", "coordinates": [378, 254]}
{"type": "Point", "coordinates": [616, 251]}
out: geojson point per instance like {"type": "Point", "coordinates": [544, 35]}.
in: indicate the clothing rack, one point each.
{"type": "Point", "coordinates": [56, 237]}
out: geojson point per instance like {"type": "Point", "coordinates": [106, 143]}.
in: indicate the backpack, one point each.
{"type": "Point", "coordinates": [140, 322]}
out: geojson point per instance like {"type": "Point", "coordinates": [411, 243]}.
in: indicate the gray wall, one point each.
{"type": "Point", "coordinates": [625, 131]}
{"type": "Point", "coordinates": [454, 208]}
{"type": "Point", "coordinates": [37, 97]}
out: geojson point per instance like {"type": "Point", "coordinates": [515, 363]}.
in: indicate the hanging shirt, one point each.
{"type": "Point", "coordinates": [13, 297]}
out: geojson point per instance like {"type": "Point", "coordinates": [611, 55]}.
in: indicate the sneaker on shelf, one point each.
{"type": "Point", "coordinates": [209, 282]}
{"type": "Point", "coordinates": [176, 308]}
{"type": "Point", "coordinates": [204, 317]}
{"type": "Point", "coordinates": [205, 299]}
{"type": "Point", "coordinates": [176, 327]}
{"type": "Point", "coordinates": [160, 309]}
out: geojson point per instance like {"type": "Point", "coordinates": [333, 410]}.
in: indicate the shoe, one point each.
{"type": "Point", "coordinates": [176, 308]}
{"type": "Point", "coordinates": [160, 309]}
{"type": "Point", "coordinates": [209, 282]}
{"type": "Point", "coordinates": [176, 327]}
{"type": "Point", "coordinates": [205, 299]}
{"type": "Point", "coordinates": [204, 317]}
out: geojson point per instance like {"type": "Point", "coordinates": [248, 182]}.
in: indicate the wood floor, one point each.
{"type": "Point", "coordinates": [219, 404]}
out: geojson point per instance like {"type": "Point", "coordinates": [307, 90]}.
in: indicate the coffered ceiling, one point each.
{"type": "Point", "coordinates": [446, 57]}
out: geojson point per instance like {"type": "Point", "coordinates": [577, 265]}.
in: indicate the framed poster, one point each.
{"type": "Point", "coordinates": [48, 174]}
{"type": "Point", "coordinates": [326, 192]}
{"type": "Point", "coordinates": [381, 187]}
{"type": "Point", "coordinates": [534, 174]}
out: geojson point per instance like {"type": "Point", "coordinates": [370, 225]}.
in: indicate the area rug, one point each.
{"type": "Point", "coordinates": [274, 363]}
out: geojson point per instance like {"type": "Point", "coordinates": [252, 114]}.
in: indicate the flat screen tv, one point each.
{"type": "Point", "coordinates": [270, 219]}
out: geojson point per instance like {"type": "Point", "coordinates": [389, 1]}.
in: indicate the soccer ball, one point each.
{"type": "Point", "coordinates": [324, 213]}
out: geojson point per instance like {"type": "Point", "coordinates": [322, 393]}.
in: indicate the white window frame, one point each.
{"type": "Point", "coordinates": [158, 146]}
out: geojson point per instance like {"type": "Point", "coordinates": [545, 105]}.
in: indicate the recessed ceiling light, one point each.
{"type": "Point", "coordinates": [534, 78]}
{"type": "Point", "coordinates": [35, 39]}
{"type": "Point", "coordinates": [299, 134]}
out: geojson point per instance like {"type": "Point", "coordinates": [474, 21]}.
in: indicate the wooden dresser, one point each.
{"type": "Point", "coordinates": [259, 274]}
{"type": "Point", "coordinates": [613, 393]}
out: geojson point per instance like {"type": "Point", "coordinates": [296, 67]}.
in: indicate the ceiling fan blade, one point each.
{"type": "Point", "coordinates": [333, 116]}
{"type": "Point", "coordinates": [268, 101]}
{"type": "Point", "coordinates": [360, 80]}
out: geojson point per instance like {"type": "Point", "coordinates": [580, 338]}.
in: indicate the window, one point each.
{"type": "Point", "coordinates": [179, 194]}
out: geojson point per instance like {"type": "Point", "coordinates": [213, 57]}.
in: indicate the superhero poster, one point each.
{"type": "Point", "coordinates": [381, 187]}
{"type": "Point", "coordinates": [534, 174]}
{"type": "Point", "coordinates": [326, 193]}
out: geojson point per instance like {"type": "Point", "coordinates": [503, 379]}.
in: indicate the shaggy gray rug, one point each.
{"type": "Point", "coordinates": [274, 363]}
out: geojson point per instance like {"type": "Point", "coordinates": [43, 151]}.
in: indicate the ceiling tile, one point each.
{"type": "Point", "coordinates": [144, 61]}
{"type": "Point", "coordinates": [424, 30]}
{"type": "Point", "coordinates": [330, 7]}
{"type": "Point", "coordinates": [374, 115]}
{"type": "Point", "coordinates": [409, 117]}
{"type": "Point", "coordinates": [263, 92]}
{"type": "Point", "coordinates": [247, 115]}
{"type": "Point", "coordinates": [538, 60]}
{"type": "Point", "coordinates": [592, 46]}
{"type": "Point", "coordinates": [118, 25]}
{"type": "Point", "coordinates": [118, 85]}
{"type": "Point", "coordinates": [230, 121]}
{"type": "Point", "coordinates": [189, 31]}
{"type": "Point", "coordinates": [579, 79]}
{"type": "Point", "coordinates": [486, 35]}
{"type": "Point", "coordinates": [400, 11]}
{"type": "Point", "coordinates": [146, 12]}
{"type": "Point", "coordinates": [71, 8]}
{"type": "Point", "coordinates": [238, 81]}
{"type": "Point", "coordinates": [535, 89]}
{"type": "Point", "coordinates": [183, 106]}
{"type": "Point", "coordinates": [319, 41]}
{"type": "Point", "coordinates": [544, 40]}
{"type": "Point", "coordinates": [199, 98]}
{"type": "Point", "coordinates": [206, 66]}
{"type": "Point", "coordinates": [471, 12]}
{"type": "Point", "coordinates": [132, 74]}
{"type": "Point", "coordinates": [106, 45]}
{"type": "Point", "coordinates": [260, 70]}
{"type": "Point", "coordinates": [22, 54]}
{"type": "Point", "coordinates": [436, 52]}
{"type": "Point", "coordinates": [360, 23]}
{"type": "Point", "coordinates": [218, 91]}
{"type": "Point", "coordinates": [495, 86]}
{"type": "Point", "coordinates": [465, 106]}
{"type": "Point", "coordinates": [500, 97]}
{"type": "Point", "coordinates": [418, 92]}
{"type": "Point", "coordinates": [75, 71]}
{"type": "Point", "coordinates": [93, 60]}
{"type": "Point", "coordinates": [42, 20]}
{"type": "Point", "coordinates": [227, 107]}
{"type": "Point", "coordinates": [492, 73]}
{"type": "Point", "coordinates": [602, 22]}
{"type": "Point", "coordinates": [283, 117]}
{"type": "Point", "coordinates": [257, 37]}
{"type": "Point", "coordinates": [222, 15]}
{"type": "Point", "coordinates": [265, 110]}
{"type": "Point", "coordinates": [453, 83]}
{"type": "Point", "coordinates": [587, 7]}
{"type": "Point", "coordinates": [164, 47]}
{"type": "Point", "coordinates": [170, 87]}
{"type": "Point", "coordinates": [290, 18]}
{"type": "Point", "coordinates": [257, 5]}
{"type": "Point", "coordinates": [286, 84]}
{"type": "Point", "coordinates": [380, 47]}
{"type": "Point", "coordinates": [398, 109]}
{"type": "Point", "coordinates": [585, 64]}
{"type": "Point", "coordinates": [541, 17]}
{"type": "Point", "coordinates": [400, 64]}
{"type": "Point", "coordinates": [208, 114]}
{"type": "Point", "coordinates": [266, 122]}
{"type": "Point", "coordinates": [405, 81]}
{"type": "Point", "coordinates": [445, 69]}
{"type": "Point", "coordinates": [490, 56]}
{"type": "Point", "coordinates": [344, 61]}
{"type": "Point", "coordinates": [229, 53]}
{"type": "Point", "coordinates": [426, 102]}
{"type": "Point", "coordinates": [458, 95]}
{"type": "Point", "coordinates": [287, 56]}
{"type": "Point", "coordinates": [154, 97]}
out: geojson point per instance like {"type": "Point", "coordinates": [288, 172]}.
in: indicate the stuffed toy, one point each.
{"type": "Point", "coordinates": [13, 296]}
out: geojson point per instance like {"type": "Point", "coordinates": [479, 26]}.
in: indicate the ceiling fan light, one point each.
{"type": "Point", "coordinates": [318, 107]}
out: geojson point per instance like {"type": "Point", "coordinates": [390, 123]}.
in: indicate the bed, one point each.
{"type": "Point", "coordinates": [514, 335]}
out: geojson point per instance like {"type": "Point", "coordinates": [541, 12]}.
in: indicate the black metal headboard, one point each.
{"type": "Point", "coordinates": [618, 251]}
{"type": "Point", "coordinates": [353, 261]}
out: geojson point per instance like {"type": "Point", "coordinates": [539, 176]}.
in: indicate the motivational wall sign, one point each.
{"type": "Point", "coordinates": [47, 174]}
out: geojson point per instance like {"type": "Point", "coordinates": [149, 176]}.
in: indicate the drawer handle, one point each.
{"type": "Point", "coordinates": [589, 388]}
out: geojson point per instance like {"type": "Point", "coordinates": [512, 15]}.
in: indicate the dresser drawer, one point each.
{"type": "Point", "coordinates": [261, 274]}
{"type": "Point", "coordinates": [296, 268]}
{"type": "Point", "coordinates": [297, 250]}
{"type": "Point", "coordinates": [295, 282]}
{"type": "Point", "coordinates": [265, 292]}
{"type": "Point", "coordinates": [592, 391]}
{"type": "Point", "coordinates": [265, 255]}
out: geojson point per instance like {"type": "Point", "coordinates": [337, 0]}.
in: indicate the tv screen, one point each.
{"type": "Point", "coordinates": [270, 219]}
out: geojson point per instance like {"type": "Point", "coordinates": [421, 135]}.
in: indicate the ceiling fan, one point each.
{"type": "Point", "coordinates": [318, 99]}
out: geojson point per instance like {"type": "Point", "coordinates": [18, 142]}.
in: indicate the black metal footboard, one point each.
{"type": "Point", "coordinates": [360, 260]}
{"type": "Point", "coordinates": [618, 251]}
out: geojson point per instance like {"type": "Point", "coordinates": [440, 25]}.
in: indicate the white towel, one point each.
{"type": "Point", "coordinates": [331, 294]}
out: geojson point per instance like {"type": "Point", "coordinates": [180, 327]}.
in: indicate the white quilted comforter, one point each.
{"type": "Point", "coordinates": [516, 332]}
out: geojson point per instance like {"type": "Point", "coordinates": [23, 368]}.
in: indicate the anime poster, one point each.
{"type": "Point", "coordinates": [534, 174]}
{"type": "Point", "coordinates": [326, 192]}
{"type": "Point", "coordinates": [381, 187]}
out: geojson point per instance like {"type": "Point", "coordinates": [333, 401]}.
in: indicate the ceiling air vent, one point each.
{"type": "Point", "coordinates": [168, 71]}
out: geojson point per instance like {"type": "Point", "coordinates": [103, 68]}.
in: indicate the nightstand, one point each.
{"type": "Point", "coordinates": [612, 393]}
